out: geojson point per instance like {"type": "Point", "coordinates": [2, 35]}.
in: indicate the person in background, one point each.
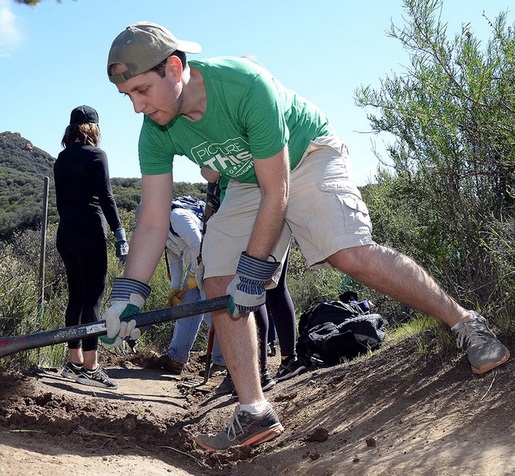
{"type": "Point", "coordinates": [85, 202]}
{"type": "Point", "coordinates": [279, 305]}
{"type": "Point", "coordinates": [290, 174]}
{"type": "Point", "coordinates": [182, 252]}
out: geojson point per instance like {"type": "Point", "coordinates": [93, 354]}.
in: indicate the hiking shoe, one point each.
{"type": "Point", "coordinates": [244, 429]}
{"type": "Point", "coordinates": [171, 366]}
{"type": "Point", "coordinates": [227, 386]}
{"type": "Point", "coordinates": [96, 378]}
{"type": "Point", "coordinates": [484, 351]}
{"type": "Point", "coordinates": [72, 370]}
{"type": "Point", "coordinates": [289, 368]}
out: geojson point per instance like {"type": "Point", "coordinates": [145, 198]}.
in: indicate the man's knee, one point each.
{"type": "Point", "coordinates": [353, 260]}
{"type": "Point", "coordinates": [217, 286]}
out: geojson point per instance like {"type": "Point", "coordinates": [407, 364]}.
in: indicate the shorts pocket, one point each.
{"type": "Point", "coordinates": [355, 211]}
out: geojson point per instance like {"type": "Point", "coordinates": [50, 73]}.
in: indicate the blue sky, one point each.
{"type": "Point", "coordinates": [53, 58]}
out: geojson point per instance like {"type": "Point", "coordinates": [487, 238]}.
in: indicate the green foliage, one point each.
{"type": "Point", "coordinates": [309, 286]}
{"type": "Point", "coordinates": [448, 196]}
{"type": "Point", "coordinates": [21, 309]}
{"type": "Point", "coordinates": [127, 193]}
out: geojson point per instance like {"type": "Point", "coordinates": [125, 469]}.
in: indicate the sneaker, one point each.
{"type": "Point", "coordinates": [271, 349]}
{"type": "Point", "coordinates": [171, 366]}
{"type": "Point", "coordinates": [244, 429]}
{"type": "Point", "coordinates": [484, 351]}
{"type": "Point", "coordinates": [132, 345]}
{"type": "Point", "coordinates": [96, 378]}
{"type": "Point", "coordinates": [72, 370]}
{"type": "Point", "coordinates": [227, 386]}
{"type": "Point", "coordinates": [267, 382]}
{"type": "Point", "coordinates": [289, 368]}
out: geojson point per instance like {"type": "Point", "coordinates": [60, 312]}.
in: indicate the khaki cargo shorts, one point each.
{"type": "Point", "coordinates": [325, 213]}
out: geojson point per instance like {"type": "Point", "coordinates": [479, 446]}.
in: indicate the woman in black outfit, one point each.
{"type": "Point", "coordinates": [84, 202]}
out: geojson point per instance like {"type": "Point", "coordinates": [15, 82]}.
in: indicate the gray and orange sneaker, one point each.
{"type": "Point", "coordinates": [244, 429]}
{"type": "Point", "coordinates": [484, 351]}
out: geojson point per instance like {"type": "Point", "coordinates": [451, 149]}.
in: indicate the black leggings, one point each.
{"type": "Point", "coordinates": [279, 306]}
{"type": "Point", "coordinates": [85, 259]}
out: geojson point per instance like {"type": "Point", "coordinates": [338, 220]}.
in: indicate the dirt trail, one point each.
{"type": "Point", "coordinates": [392, 414]}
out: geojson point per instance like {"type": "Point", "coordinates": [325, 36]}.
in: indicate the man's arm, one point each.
{"type": "Point", "coordinates": [273, 175]}
{"type": "Point", "coordinates": [149, 237]}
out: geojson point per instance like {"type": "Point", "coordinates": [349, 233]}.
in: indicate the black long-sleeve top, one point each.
{"type": "Point", "coordinates": [83, 189]}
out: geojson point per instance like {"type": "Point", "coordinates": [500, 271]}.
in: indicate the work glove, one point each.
{"type": "Point", "coordinates": [174, 297]}
{"type": "Point", "coordinates": [122, 247]}
{"type": "Point", "coordinates": [191, 282]}
{"type": "Point", "coordinates": [247, 289]}
{"type": "Point", "coordinates": [127, 299]}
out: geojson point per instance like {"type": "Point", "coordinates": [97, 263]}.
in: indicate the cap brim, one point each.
{"type": "Point", "coordinates": [188, 46]}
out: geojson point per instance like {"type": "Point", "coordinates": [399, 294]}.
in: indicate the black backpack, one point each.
{"type": "Point", "coordinates": [332, 330]}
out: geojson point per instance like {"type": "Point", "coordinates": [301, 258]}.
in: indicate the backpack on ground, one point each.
{"type": "Point", "coordinates": [330, 331]}
{"type": "Point", "coordinates": [187, 202]}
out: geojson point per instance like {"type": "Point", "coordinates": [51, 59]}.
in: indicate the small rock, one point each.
{"type": "Point", "coordinates": [130, 424]}
{"type": "Point", "coordinates": [314, 455]}
{"type": "Point", "coordinates": [318, 434]}
{"type": "Point", "coordinates": [371, 442]}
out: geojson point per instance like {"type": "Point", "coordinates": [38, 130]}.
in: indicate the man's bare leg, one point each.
{"type": "Point", "coordinates": [254, 421]}
{"type": "Point", "coordinates": [238, 341]}
{"type": "Point", "coordinates": [404, 280]}
{"type": "Point", "coordinates": [398, 276]}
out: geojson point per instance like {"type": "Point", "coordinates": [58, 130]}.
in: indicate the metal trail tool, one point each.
{"type": "Point", "coordinates": [13, 344]}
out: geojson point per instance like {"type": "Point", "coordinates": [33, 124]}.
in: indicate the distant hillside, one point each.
{"type": "Point", "coordinates": [23, 168]}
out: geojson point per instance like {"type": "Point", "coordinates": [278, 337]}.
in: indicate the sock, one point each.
{"type": "Point", "coordinates": [253, 408]}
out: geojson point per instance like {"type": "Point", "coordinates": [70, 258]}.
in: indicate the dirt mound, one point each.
{"type": "Point", "coordinates": [394, 413]}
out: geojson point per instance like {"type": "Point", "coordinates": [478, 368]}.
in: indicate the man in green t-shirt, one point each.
{"type": "Point", "coordinates": [289, 175]}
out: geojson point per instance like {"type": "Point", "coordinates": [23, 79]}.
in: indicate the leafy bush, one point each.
{"type": "Point", "coordinates": [448, 196]}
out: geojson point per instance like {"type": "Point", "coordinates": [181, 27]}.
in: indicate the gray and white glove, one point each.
{"type": "Point", "coordinates": [247, 289]}
{"type": "Point", "coordinates": [127, 298]}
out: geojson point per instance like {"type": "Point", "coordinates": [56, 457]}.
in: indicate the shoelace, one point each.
{"type": "Point", "coordinates": [232, 431]}
{"type": "Point", "coordinates": [471, 332]}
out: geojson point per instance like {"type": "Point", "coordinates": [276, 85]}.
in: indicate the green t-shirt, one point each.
{"type": "Point", "coordinates": [249, 115]}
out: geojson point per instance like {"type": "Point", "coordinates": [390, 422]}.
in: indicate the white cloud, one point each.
{"type": "Point", "coordinates": [10, 36]}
